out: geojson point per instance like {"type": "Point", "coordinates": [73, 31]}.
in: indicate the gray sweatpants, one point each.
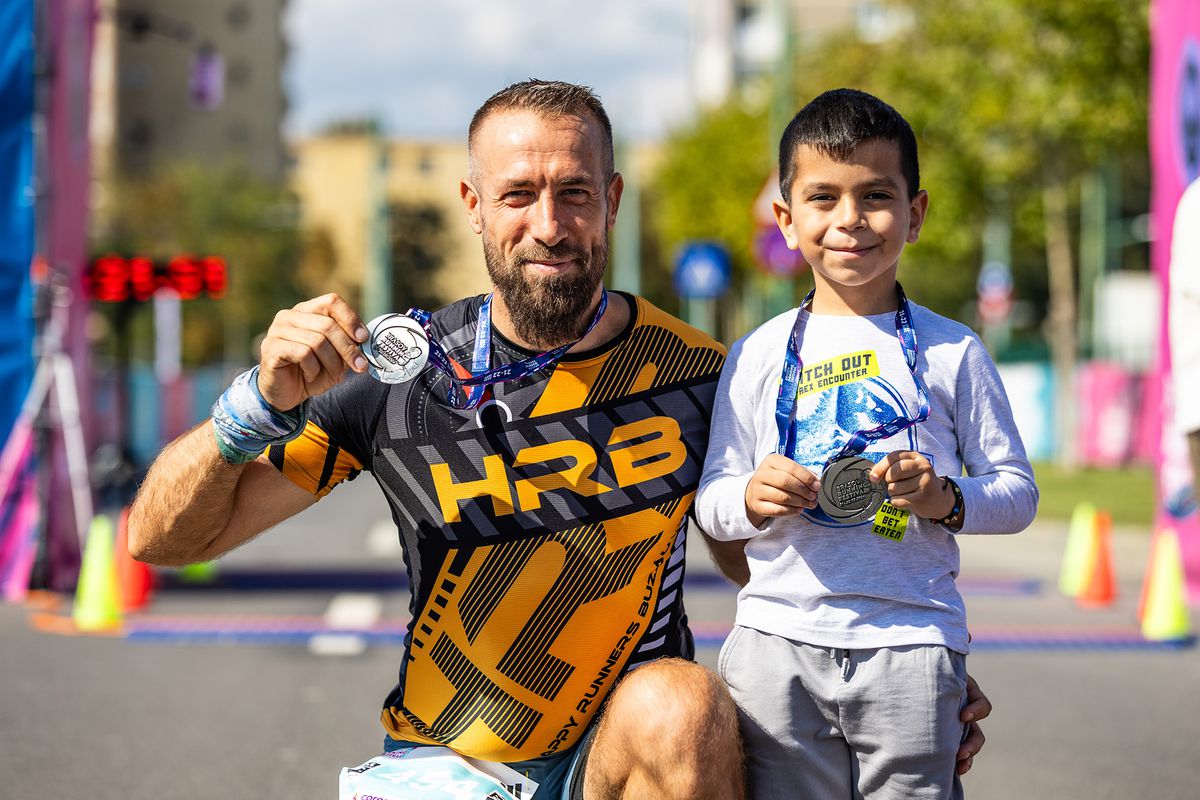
{"type": "Point", "coordinates": [828, 724]}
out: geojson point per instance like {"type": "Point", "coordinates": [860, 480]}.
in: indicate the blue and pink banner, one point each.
{"type": "Point", "coordinates": [1175, 162]}
{"type": "Point", "coordinates": [18, 484]}
{"type": "Point", "coordinates": [16, 206]}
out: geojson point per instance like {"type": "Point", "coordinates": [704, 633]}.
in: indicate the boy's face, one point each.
{"type": "Point", "coordinates": [852, 219]}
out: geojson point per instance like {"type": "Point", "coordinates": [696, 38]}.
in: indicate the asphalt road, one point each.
{"type": "Point", "coordinates": [108, 717]}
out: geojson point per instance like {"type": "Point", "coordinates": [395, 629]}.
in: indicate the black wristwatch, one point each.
{"type": "Point", "coordinates": [955, 518]}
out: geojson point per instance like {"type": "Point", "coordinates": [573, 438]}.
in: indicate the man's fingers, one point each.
{"type": "Point", "coordinates": [969, 748]}
{"type": "Point", "coordinates": [978, 706]}
{"type": "Point", "coordinates": [333, 306]}
{"type": "Point", "coordinates": [313, 328]}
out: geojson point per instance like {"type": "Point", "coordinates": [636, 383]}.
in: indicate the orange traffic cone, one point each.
{"type": "Point", "coordinates": [1099, 587]}
{"type": "Point", "coordinates": [135, 580]}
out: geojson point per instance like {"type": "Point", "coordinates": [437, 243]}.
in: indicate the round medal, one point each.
{"type": "Point", "coordinates": [847, 495]}
{"type": "Point", "coordinates": [397, 349]}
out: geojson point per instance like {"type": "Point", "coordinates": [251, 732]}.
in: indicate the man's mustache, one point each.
{"type": "Point", "coordinates": [558, 252]}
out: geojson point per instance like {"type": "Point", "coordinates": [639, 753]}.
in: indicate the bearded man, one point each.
{"type": "Point", "coordinates": [540, 468]}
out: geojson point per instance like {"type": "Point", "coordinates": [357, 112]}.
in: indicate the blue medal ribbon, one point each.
{"type": "Point", "coordinates": [475, 387]}
{"type": "Point", "coordinates": [793, 366]}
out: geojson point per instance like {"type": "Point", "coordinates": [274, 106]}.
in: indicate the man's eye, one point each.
{"type": "Point", "coordinates": [878, 196]}
{"type": "Point", "coordinates": [517, 197]}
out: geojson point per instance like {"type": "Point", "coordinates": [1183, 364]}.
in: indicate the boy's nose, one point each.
{"type": "Point", "coordinates": [849, 214]}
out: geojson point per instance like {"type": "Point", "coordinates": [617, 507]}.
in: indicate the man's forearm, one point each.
{"type": "Point", "coordinates": [185, 501]}
{"type": "Point", "coordinates": [730, 559]}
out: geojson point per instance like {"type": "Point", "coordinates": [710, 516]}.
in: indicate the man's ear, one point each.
{"type": "Point", "coordinates": [470, 199]}
{"type": "Point", "coordinates": [615, 188]}
{"type": "Point", "coordinates": [783, 218]}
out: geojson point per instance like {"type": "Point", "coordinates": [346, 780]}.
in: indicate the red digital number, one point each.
{"type": "Point", "coordinates": [215, 277]}
{"type": "Point", "coordinates": [109, 279]}
{"type": "Point", "coordinates": [185, 277]}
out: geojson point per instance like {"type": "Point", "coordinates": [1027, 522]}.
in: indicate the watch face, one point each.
{"type": "Point", "coordinates": [847, 494]}
{"type": "Point", "coordinates": [397, 349]}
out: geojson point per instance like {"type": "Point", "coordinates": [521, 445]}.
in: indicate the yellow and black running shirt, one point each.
{"type": "Point", "coordinates": [543, 531]}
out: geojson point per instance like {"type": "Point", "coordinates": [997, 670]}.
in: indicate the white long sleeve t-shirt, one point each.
{"type": "Point", "coordinates": [844, 585]}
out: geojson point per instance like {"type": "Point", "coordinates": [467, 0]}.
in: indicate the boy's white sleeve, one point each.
{"type": "Point", "coordinates": [999, 493]}
{"type": "Point", "coordinates": [730, 461]}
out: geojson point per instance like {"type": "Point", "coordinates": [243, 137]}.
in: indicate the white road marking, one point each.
{"type": "Point", "coordinates": [347, 612]}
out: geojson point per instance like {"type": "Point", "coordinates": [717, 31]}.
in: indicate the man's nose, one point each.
{"type": "Point", "coordinates": [548, 227]}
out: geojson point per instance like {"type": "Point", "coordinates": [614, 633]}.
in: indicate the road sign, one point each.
{"type": "Point", "coordinates": [702, 270]}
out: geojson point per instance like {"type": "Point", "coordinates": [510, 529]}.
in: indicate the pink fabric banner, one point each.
{"type": "Point", "coordinates": [1175, 162]}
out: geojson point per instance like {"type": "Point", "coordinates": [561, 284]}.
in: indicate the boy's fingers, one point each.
{"type": "Point", "coordinates": [879, 472]}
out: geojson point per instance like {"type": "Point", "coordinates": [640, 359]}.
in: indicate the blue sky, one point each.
{"type": "Point", "coordinates": [423, 66]}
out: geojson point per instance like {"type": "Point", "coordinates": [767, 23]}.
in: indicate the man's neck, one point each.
{"type": "Point", "coordinates": [616, 317]}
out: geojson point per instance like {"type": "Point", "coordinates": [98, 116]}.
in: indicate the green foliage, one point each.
{"type": "Point", "coordinates": [1126, 493]}
{"type": "Point", "coordinates": [1004, 95]}
{"type": "Point", "coordinates": [204, 210]}
{"type": "Point", "coordinates": [709, 180]}
{"type": "Point", "coordinates": [418, 240]}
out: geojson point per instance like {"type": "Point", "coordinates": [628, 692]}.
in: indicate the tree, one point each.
{"type": "Point", "coordinates": [418, 239]}
{"type": "Point", "coordinates": [202, 210]}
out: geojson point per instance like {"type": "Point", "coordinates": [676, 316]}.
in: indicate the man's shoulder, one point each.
{"type": "Point", "coordinates": [650, 315]}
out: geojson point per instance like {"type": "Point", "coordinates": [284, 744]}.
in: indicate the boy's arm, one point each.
{"type": "Point", "coordinates": [999, 493]}
{"type": "Point", "coordinates": [720, 506]}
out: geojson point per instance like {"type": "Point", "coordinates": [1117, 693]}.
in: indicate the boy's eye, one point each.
{"type": "Point", "coordinates": [821, 198]}
{"type": "Point", "coordinates": [878, 196]}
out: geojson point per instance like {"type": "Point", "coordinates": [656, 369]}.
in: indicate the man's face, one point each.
{"type": "Point", "coordinates": [852, 219]}
{"type": "Point", "coordinates": [544, 201]}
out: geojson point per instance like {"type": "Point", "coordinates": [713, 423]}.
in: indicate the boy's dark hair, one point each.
{"type": "Point", "coordinates": [550, 98]}
{"type": "Point", "coordinates": [838, 121]}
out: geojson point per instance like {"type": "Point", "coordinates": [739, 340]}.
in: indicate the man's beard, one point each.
{"type": "Point", "coordinates": [549, 310]}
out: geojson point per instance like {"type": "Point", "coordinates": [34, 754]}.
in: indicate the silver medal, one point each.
{"type": "Point", "coordinates": [847, 495]}
{"type": "Point", "coordinates": [397, 348]}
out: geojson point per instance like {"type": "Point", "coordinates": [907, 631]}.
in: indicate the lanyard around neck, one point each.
{"type": "Point", "coordinates": [467, 393]}
{"type": "Point", "coordinates": [793, 367]}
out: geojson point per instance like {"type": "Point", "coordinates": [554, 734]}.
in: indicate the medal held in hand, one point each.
{"type": "Point", "coordinates": [847, 494]}
{"type": "Point", "coordinates": [397, 349]}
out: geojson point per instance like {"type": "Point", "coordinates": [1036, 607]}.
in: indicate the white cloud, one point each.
{"type": "Point", "coordinates": [424, 67]}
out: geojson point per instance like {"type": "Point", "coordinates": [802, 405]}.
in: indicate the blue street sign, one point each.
{"type": "Point", "coordinates": [702, 271]}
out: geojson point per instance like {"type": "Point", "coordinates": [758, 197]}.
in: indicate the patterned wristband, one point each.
{"type": "Point", "coordinates": [245, 424]}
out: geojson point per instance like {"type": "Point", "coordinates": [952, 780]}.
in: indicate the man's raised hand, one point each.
{"type": "Point", "coordinates": [308, 349]}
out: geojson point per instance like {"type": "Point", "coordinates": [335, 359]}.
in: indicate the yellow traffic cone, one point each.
{"type": "Point", "coordinates": [1166, 613]}
{"type": "Point", "coordinates": [1078, 553]}
{"type": "Point", "coordinates": [97, 603]}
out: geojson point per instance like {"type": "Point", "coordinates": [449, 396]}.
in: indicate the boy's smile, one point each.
{"type": "Point", "coordinates": [851, 220]}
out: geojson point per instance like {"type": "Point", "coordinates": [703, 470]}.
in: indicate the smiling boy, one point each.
{"type": "Point", "coordinates": [845, 476]}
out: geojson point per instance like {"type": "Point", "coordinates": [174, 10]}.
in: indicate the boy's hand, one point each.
{"type": "Point", "coordinates": [912, 484]}
{"type": "Point", "coordinates": [779, 488]}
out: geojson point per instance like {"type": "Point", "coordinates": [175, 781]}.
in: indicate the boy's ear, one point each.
{"type": "Point", "coordinates": [916, 215]}
{"type": "Point", "coordinates": [783, 218]}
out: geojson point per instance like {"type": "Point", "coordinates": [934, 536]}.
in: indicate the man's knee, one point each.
{"type": "Point", "coordinates": [677, 705]}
